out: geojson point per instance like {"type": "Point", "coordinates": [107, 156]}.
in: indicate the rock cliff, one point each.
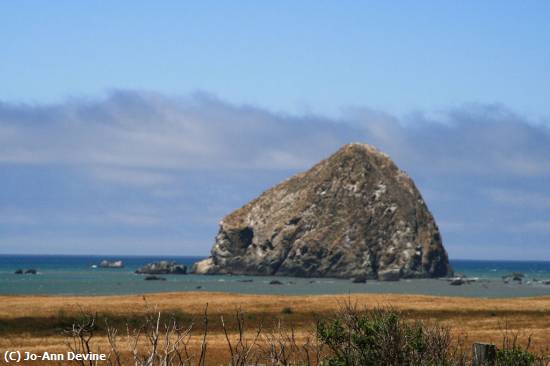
{"type": "Point", "coordinates": [353, 214]}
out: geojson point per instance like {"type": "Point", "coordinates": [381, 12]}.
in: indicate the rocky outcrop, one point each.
{"type": "Point", "coordinates": [154, 278]}
{"type": "Point", "coordinates": [390, 274]}
{"type": "Point", "coordinates": [353, 214]}
{"type": "Point", "coordinates": [27, 271]}
{"type": "Point", "coordinates": [360, 279]}
{"type": "Point", "coordinates": [163, 267]}
{"type": "Point", "coordinates": [514, 276]}
{"type": "Point", "coordinates": [457, 281]}
{"type": "Point", "coordinates": [111, 264]}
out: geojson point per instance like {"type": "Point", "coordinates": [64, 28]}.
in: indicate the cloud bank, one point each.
{"type": "Point", "coordinates": [166, 169]}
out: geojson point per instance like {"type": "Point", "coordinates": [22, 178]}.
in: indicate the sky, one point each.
{"type": "Point", "coordinates": [133, 127]}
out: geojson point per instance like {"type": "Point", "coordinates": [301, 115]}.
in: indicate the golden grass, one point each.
{"type": "Point", "coordinates": [480, 319]}
{"type": "Point", "coordinates": [193, 303]}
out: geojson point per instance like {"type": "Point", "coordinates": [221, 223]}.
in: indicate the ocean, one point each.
{"type": "Point", "coordinates": [74, 275]}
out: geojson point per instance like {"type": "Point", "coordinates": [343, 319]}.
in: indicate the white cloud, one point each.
{"type": "Point", "coordinates": [520, 198]}
{"type": "Point", "coordinates": [541, 226]}
{"type": "Point", "coordinates": [449, 225]}
{"type": "Point", "coordinates": [149, 149]}
{"type": "Point", "coordinates": [142, 217]}
{"type": "Point", "coordinates": [115, 245]}
{"type": "Point", "coordinates": [13, 218]}
{"type": "Point", "coordinates": [132, 219]}
{"type": "Point", "coordinates": [131, 177]}
{"type": "Point", "coordinates": [147, 131]}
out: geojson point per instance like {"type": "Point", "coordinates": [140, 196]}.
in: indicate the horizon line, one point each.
{"type": "Point", "coordinates": [205, 256]}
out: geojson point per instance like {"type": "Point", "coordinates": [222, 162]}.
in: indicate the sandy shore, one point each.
{"type": "Point", "coordinates": [478, 319]}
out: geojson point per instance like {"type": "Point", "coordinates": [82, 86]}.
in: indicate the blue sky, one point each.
{"type": "Point", "coordinates": [290, 56]}
{"type": "Point", "coordinates": [134, 127]}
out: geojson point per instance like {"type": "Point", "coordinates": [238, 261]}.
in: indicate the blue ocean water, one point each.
{"type": "Point", "coordinates": [492, 269]}
{"type": "Point", "coordinates": [64, 275]}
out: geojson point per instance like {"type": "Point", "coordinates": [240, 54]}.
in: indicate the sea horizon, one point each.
{"type": "Point", "coordinates": [106, 256]}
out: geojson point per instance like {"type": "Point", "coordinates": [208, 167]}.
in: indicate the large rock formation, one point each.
{"type": "Point", "coordinates": [353, 214]}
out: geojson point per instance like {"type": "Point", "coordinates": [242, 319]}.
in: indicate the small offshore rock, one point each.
{"type": "Point", "coordinates": [389, 275]}
{"type": "Point", "coordinates": [246, 280]}
{"type": "Point", "coordinates": [31, 271]}
{"type": "Point", "coordinates": [19, 271]}
{"type": "Point", "coordinates": [163, 267]}
{"type": "Point", "coordinates": [457, 281]}
{"type": "Point", "coordinates": [111, 264]}
{"type": "Point", "coordinates": [360, 279]}
{"type": "Point", "coordinates": [275, 282]}
{"type": "Point", "coordinates": [514, 276]}
{"type": "Point", "coordinates": [154, 278]}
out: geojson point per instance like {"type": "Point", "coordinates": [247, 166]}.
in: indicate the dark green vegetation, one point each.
{"type": "Point", "coordinates": [383, 337]}
{"type": "Point", "coordinates": [512, 354]}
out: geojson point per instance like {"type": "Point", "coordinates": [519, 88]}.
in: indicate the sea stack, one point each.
{"type": "Point", "coordinates": [353, 214]}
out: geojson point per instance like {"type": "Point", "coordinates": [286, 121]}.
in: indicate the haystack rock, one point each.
{"type": "Point", "coordinates": [353, 214]}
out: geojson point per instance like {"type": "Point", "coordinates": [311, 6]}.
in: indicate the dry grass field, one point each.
{"type": "Point", "coordinates": [35, 323]}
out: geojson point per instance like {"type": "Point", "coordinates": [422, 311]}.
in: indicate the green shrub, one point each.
{"type": "Point", "coordinates": [382, 337]}
{"type": "Point", "coordinates": [515, 356]}
{"type": "Point", "coordinates": [287, 310]}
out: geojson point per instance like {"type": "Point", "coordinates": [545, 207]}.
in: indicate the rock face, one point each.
{"type": "Point", "coordinates": [163, 267]}
{"type": "Point", "coordinates": [353, 214]}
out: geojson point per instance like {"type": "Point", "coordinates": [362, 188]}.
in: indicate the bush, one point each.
{"type": "Point", "coordinates": [381, 337]}
{"type": "Point", "coordinates": [286, 310]}
{"type": "Point", "coordinates": [515, 356]}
